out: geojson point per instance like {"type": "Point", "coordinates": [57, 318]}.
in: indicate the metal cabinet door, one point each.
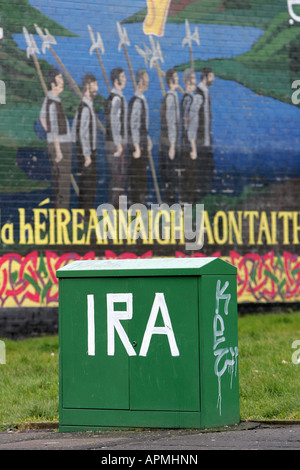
{"type": "Point", "coordinates": [219, 350]}
{"type": "Point", "coordinates": [90, 381]}
{"type": "Point", "coordinates": [161, 377]}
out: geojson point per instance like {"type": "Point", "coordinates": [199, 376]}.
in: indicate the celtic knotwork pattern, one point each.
{"type": "Point", "coordinates": [31, 280]}
{"type": "Point", "coordinates": [267, 278]}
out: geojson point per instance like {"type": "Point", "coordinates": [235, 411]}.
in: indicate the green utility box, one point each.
{"type": "Point", "coordinates": [148, 343]}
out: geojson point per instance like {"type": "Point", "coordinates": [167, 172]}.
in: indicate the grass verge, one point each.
{"type": "Point", "coordinates": [29, 382]}
{"type": "Point", "coordinates": [269, 380]}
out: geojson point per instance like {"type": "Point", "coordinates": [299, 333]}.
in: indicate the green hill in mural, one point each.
{"type": "Point", "coordinates": [272, 63]}
{"type": "Point", "coordinates": [254, 13]}
{"type": "Point", "coordinates": [270, 66]}
{"type": "Point", "coordinates": [17, 71]}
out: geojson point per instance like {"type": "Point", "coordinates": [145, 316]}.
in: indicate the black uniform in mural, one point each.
{"type": "Point", "coordinates": [189, 179]}
{"type": "Point", "coordinates": [204, 134]}
{"type": "Point", "coordinates": [116, 137]}
{"type": "Point", "coordinates": [85, 135]}
{"type": "Point", "coordinates": [169, 139]}
{"type": "Point", "coordinates": [139, 142]}
{"type": "Point", "coordinates": [189, 111]}
{"type": "Point", "coordinates": [56, 125]}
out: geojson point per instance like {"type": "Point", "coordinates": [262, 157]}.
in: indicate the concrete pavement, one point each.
{"type": "Point", "coordinates": [172, 442]}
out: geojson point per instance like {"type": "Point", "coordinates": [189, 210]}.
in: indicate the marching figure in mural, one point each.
{"type": "Point", "coordinates": [139, 142]}
{"type": "Point", "coordinates": [204, 135]}
{"type": "Point", "coordinates": [56, 125]}
{"type": "Point", "coordinates": [84, 133]}
{"type": "Point", "coordinates": [189, 107]}
{"type": "Point", "coordinates": [169, 138]}
{"type": "Point", "coordinates": [116, 136]}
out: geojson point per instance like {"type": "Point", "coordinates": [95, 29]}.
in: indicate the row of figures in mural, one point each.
{"type": "Point", "coordinates": [185, 147]}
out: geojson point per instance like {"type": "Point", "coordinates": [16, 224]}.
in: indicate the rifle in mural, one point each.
{"type": "Point", "coordinates": [189, 38]}
{"type": "Point", "coordinates": [47, 40]}
{"type": "Point", "coordinates": [31, 51]}
{"type": "Point", "coordinates": [124, 42]}
{"type": "Point", "coordinates": [98, 46]}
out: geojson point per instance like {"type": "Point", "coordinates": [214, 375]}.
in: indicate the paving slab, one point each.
{"type": "Point", "coordinates": [172, 442]}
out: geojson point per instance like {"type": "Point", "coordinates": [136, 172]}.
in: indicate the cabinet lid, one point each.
{"type": "Point", "coordinates": [146, 267]}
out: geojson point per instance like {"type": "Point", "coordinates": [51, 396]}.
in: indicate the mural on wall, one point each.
{"type": "Point", "coordinates": [168, 103]}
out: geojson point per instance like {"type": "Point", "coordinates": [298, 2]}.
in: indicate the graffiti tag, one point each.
{"type": "Point", "coordinates": [226, 357]}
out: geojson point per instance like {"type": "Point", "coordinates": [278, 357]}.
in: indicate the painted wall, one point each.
{"type": "Point", "coordinates": [64, 164]}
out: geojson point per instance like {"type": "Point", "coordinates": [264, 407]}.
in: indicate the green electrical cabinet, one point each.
{"type": "Point", "coordinates": [148, 343]}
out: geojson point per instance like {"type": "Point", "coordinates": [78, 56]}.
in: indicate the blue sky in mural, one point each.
{"type": "Point", "coordinates": [249, 143]}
